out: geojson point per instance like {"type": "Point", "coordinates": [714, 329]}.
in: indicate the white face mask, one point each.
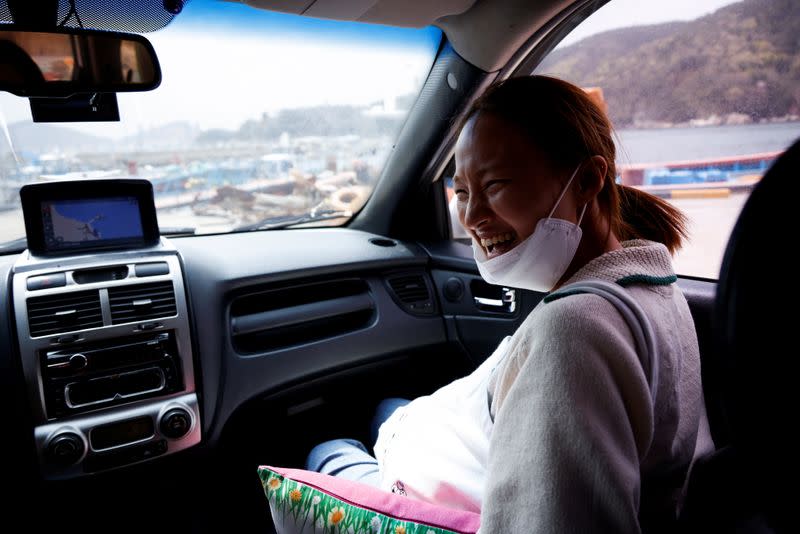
{"type": "Point", "coordinates": [540, 261]}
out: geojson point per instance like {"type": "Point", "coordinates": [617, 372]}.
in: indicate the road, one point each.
{"type": "Point", "coordinates": [711, 221]}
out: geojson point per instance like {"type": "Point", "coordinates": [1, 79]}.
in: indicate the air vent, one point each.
{"type": "Point", "coordinates": [412, 291]}
{"type": "Point", "coordinates": [282, 317]}
{"type": "Point", "coordinates": [64, 312]}
{"type": "Point", "coordinates": [141, 302]}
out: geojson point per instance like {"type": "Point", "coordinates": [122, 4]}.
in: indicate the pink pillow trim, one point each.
{"type": "Point", "coordinates": [383, 502]}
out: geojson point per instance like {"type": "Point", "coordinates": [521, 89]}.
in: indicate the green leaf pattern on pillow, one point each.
{"type": "Point", "coordinates": [304, 509]}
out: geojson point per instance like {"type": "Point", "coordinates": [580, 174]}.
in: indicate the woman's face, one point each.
{"type": "Point", "coordinates": [504, 184]}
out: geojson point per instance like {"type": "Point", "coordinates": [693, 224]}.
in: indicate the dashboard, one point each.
{"type": "Point", "coordinates": [128, 356]}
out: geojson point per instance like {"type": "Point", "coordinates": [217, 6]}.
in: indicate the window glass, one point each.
{"type": "Point", "coordinates": [704, 95]}
{"type": "Point", "coordinates": [261, 118]}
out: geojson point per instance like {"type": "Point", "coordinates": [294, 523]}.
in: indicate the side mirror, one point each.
{"type": "Point", "coordinates": [71, 61]}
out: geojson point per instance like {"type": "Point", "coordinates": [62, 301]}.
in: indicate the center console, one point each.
{"type": "Point", "coordinates": [105, 344]}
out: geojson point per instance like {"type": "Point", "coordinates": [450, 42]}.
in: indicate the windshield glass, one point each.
{"type": "Point", "coordinates": [261, 118]}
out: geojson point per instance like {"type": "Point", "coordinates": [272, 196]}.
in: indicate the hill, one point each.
{"type": "Point", "coordinates": [42, 138]}
{"type": "Point", "coordinates": [743, 59]}
{"type": "Point", "coordinates": [169, 136]}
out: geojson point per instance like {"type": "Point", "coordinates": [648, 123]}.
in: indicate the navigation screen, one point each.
{"type": "Point", "coordinates": [89, 223]}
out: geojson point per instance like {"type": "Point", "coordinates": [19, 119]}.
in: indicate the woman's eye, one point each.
{"type": "Point", "coordinates": [494, 184]}
{"type": "Point", "coordinates": [461, 194]}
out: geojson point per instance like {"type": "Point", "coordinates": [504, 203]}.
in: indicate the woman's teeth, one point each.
{"type": "Point", "coordinates": [502, 238]}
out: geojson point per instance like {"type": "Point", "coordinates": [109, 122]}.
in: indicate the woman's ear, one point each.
{"type": "Point", "coordinates": [592, 178]}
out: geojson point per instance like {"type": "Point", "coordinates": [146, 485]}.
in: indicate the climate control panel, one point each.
{"type": "Point", "coordinates": [103, 441]}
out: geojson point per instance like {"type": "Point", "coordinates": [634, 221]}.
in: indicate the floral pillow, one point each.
{"type": "Point", "coordinates": [304, 502]}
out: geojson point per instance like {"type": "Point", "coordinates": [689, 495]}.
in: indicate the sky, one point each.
{"type": "Point", "coordinates": [623, 13]}
{"type": "Point", "coordinates": [224, 63]}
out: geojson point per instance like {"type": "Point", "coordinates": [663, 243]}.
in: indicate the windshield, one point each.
{"type": "Point", "coordinates": [260, 118]}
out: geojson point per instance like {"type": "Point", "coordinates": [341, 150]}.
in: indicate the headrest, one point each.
{"type": "Point", "coordinates": [756, 327]}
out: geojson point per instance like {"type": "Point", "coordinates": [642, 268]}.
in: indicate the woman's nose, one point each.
{"type": "Point", "coordinates": [476, 212]}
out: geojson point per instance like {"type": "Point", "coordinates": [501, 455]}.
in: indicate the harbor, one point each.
{"type": "Point", "coordinates": [221, 188]}
{"type": "Point", "coordinates": [706, 172]}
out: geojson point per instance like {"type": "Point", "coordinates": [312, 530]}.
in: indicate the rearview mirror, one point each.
{"type": "Point", "coordinates": [70, 61]}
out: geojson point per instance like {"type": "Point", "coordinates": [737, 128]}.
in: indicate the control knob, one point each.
{"type": "Point", "coordinates": [65, 449]}
{"type": "Point", "coordinates": [176, 423]}
{"type": "Point", "coordinates": [78, 361]}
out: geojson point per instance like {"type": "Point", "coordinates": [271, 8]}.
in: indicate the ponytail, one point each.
{"type": "Point", "coordinates": [645, 216]}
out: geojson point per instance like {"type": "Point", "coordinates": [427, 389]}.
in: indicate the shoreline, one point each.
{"type": "Point", "coordinates": [688, 126]}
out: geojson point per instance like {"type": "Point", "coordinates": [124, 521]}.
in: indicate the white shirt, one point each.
{"type": "Point", "coordinates": [437, 447]}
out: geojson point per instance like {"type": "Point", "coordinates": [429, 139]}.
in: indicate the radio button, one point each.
{"type": "Point", "coordinates": [47, 281]}
{"type": "Point", "coordinates": [176, 423]}
{"type": "Point", "coordinates": [151, 269]}
{"type": "Point", "coordinates": [67, 339]}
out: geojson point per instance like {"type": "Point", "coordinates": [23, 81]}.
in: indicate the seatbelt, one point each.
{"type": "Point", "coordinates": [658, 518]}
{"type": "Point", "coordinates": [633, 314]}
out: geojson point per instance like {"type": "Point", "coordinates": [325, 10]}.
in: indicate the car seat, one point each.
{"type": "Point", "coordinates": [751, 483]}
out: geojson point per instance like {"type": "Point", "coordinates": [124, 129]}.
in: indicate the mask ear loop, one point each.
{"type": "Point", "coordinates": [564, 192]}
{"type": "Point", "coordinates": [580, 218]}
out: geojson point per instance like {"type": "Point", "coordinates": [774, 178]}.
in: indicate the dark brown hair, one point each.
{"type": "Point", "coordinates": [565, 123]}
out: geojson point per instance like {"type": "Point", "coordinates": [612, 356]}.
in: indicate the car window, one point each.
{"type": "Point", "coordinates": [703, 96]}
{"type": "Point", "coordinates": [261, 118]}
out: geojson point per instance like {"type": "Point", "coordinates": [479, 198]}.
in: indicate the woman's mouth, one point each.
{"type": "Point", "coordinates": [499, 244]}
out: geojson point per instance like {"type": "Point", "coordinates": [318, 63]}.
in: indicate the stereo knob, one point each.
{"type": "Point", "coordinates": [65, 449]}
{"type": "Point", "coordinates": [176, 423]}
{"type": "Point", "coordinates": [77, 361]}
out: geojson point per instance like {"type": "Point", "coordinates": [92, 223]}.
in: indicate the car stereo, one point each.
{"type": "Point", "coordinates": [88, 376]}
{"type": "Point", "coordinates": [89, 215]}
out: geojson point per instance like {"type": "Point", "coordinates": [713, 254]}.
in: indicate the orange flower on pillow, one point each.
{"type": "Point", "coordinates": [295, 495]}
{"type": "Point", "coordinates": [400, 530]}
{"type": "Point", "coordinates": [273, 483]}
{"type": "Point", "coordinates": [335, 516]}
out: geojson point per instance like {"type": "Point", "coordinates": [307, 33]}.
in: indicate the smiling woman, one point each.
{"type": "Point", "coordinates": [241, 88]}
{"type": "Point", "coordinates": [578, 412]}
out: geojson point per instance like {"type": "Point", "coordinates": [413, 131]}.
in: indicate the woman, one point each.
{"type": "Point", "coordinates": [558, 430]}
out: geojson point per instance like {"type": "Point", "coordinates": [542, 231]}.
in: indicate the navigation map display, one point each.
{"type": "Point", "coordinates": [80, 216]}
{"type": "Point", "coordinates": [70, 224]}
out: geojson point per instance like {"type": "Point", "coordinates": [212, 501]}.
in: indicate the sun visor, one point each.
{"type": "Point", "coordinates": [137, 16]}
{"type": "Point", "coordinates": [389, 12]}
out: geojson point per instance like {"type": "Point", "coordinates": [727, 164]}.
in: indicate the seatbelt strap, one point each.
{"type": "Point", "coordinates": [633, 314]}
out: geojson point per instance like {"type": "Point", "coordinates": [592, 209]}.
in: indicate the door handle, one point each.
{"type": "Point", "coordinates": [495, 303]}
{"type": "Point", "coordinates": [506, 303]}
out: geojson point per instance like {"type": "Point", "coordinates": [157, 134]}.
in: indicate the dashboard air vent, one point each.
{"type": "Point", "coordinates": [413, 292]}
{"type": "Point", "coordinates": [280, 317]}
{"type": "Point", "coordinates": [141, 302]}
{"type": "Point", "coordinates": [65, 312]}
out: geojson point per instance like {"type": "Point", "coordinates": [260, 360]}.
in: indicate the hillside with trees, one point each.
{"type": "Point", "coordinates": [738, 64]}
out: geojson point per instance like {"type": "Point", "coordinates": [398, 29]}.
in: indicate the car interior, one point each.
{"type": "Point", "coordinates": [145, 382]}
